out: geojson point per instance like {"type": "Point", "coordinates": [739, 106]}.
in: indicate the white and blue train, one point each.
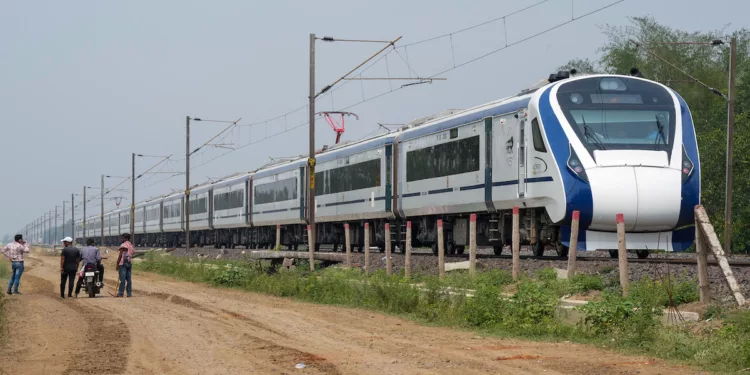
{"type": "Point", "coordinates": [597, 144]}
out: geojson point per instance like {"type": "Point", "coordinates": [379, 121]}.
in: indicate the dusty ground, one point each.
{"type": "Point", "coordinates": [173, 327]}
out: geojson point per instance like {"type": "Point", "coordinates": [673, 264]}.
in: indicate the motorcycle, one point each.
{"type": "Point", "coordinates": [91, 282]}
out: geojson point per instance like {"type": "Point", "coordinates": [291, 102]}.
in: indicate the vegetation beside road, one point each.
{"type": "Point", "coordinates": [527, 309]}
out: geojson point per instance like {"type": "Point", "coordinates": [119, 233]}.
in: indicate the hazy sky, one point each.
{"type": "Point", "coordinates": [83, 84]}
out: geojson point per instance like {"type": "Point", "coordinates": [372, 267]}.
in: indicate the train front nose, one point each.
{"type": "Point", "coordinates": [648, 197]}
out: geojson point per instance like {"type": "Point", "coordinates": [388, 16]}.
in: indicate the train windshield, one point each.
{"type": "Point", "coordinates": [619, 113]}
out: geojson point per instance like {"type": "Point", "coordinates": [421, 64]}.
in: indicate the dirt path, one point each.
{"type": "Point", "coordinates": [173, 327]}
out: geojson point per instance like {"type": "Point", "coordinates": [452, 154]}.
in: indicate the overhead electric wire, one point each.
{"type": "Point", "coordinates": [373, 63]}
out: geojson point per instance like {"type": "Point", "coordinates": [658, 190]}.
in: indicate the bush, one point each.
{"type": "Point", "coordinates": [581, 283]}
{"type": "Point", "coordinates": [629, 319]}
{"type": "Point", "coordinates": [654, 292]}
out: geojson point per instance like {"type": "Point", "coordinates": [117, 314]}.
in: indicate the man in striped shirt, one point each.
{"type": "Point", "coordinates": [15, 252]}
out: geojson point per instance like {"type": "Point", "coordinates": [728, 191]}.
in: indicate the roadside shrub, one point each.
{"type": "Point", "coordinates": [628, 319]}
{"type": "Point", "coordinates": [581, 283]}
{"type": "Point", "coordinates": [231, 275]}
{"type": "Point", "coordinates": [654, 292]}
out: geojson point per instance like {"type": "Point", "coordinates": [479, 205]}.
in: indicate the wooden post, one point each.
{"type": "Point", "coordinates": [573, 244]}
{"type": "Point", "coordinates": [441, 249]}
{"type": "Point", "coordinates": [278, 237]}
{"type": "Point", "coordinates": [311, 248]}
{"type": "Point", "coordinates": [712, 241]}
{"type": "Point", "coordinates": [473, 244]}
{"type": "Point", "coordinates": [516, 245]}
{"type": "Point", "coordinates": [348, 246]}
{"type": "Point", "coordinates": [407, 257]}
{"type": "Point", "coordinates": [367, 248]}
{"type": "Point", "coordinates": [702, 255]}
{"type": "Point", "coordinates": [622, 254]}
{"type": "Point", "coordinates": [388, 262]}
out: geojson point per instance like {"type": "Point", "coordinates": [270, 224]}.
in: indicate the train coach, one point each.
{"type": "Point", "coordinates": [596, 144]}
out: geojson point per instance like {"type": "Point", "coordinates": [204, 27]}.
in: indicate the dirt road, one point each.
{"type": "Point", "coordinates": [172, 327]}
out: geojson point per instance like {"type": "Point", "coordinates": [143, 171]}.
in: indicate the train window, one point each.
{"type": "Point", "coordinates": [347, 178]}
{"type": "Point", "coordinates": [278, 191]}
{"type": "Point", "coordinates": [536, 134]}
{"type": "Point", "coordinates": [198, 206]}
{"type": "Point", "coordinates": [228, 200]}
{"type": "Point", "coordinates": [461, 156]}
{"type": "Point", "coordinates": [454, 133]}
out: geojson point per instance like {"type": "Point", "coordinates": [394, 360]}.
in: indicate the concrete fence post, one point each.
{"type": "Point", "coordinates": [311, 248]}
{"type": "Point", "coordinates": [388, 261]}
{"type": "Point", "coordinates": [441, 249]}
{"type": "Point", "coordinates": [407, 256]}
{"type": "Point", "coordinates": [516, 245]}
{"type": "Point", "coordinates": [348, 245]}
{"type": "Point", "coordinates": [367, 248]}
{"type": "Point", "coordinates": [622, 254]}
{"type": "Point", "coordinates": [278, 236]}
{"type": "Point", "coordinates": [572, 250]}
{"type": "Point", "coordinates": [473, 244]}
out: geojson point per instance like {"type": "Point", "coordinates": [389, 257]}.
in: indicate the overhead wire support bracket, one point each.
{"type": "Point", "coordinates": [390, 44]}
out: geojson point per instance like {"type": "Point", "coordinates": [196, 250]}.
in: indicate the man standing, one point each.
{"type": "Point", "coordinates": [15, 252]}
{"type": "Point", "coordinates": [69, 260]}
{"type": "Point", "coordinates": [124, 265]}
{"type": "Point", "coordinates": [90, 255]}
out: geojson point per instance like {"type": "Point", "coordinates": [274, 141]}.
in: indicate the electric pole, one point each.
{"type": "Point", "coordinates": [63, 220]}
{"type": "Point", "coordinates": [84, 214]}
{"type": "Point", "coordinates": [54, 243]}
{"type": "Point", "coordinates": [730, 147]}
{"type": "Point", "coordinates": [187, 182]}
{"type": "Point", "coordinates": [101, 220]}
{"type": "Point", "coordinates": [73, 215]}
{"type": "Point", "coordinates": [132, 199]}
{"type": "Point", "coordinates": [311, 160]}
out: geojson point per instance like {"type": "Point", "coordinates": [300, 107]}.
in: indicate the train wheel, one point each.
{"type": "Point", "coordinates": [538, 248]}
{"type": "Point", "coordinates": [498, 249]}
{"type": "Point", "coordinates": [562, 250]}
{"type": "Point", "coordinates": [614, 254]}
{"type": "Point", "coordinates": [459, 249]}
{"type": "Point", "coordinates": [434, 248]}
{"type": "Point", "coordinates": [642, 254]}
{"type": "Point", "coordinates": [335, 247]}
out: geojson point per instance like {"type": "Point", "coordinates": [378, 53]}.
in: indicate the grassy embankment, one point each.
{"type": "Point", "coordinates": [631, 324]}
{"type": "Point", "coordinates": [4, 276]}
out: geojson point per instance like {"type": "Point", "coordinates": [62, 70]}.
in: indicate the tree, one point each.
{"type": "Point", "coordinates": [710, 65]}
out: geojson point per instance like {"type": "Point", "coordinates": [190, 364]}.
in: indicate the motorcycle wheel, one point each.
{"type": "Point", "coordinates": [92, 291]}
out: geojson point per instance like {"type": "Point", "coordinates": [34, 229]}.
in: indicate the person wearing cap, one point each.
{"type": "Point", "coordinates": [70, 257]}
{"type": "Point", "coordinates": [15, 252]}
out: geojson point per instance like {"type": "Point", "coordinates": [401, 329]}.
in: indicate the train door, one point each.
{"type": "Point", "coordinates": [521, 149]}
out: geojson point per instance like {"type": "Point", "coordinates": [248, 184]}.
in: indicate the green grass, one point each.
{"type": "Point", "coordinates": [629, 324]}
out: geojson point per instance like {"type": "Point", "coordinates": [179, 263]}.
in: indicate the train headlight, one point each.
{"type": "Point", "coordinates": [575, 166]}
{"type": "Point", "coordinates": [687, 165]}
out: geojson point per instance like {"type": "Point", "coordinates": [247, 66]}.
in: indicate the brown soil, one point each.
{"type": "Point", "coordinates": [173, 327]}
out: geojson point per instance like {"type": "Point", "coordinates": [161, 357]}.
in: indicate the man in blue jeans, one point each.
{"type": "Point", "coordinates": [15, 252]}
{"type": "Point", "coordinates": [124, 265]}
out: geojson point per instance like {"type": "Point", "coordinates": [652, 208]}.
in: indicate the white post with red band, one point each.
{"type": "Point", "coordinates": [441, 249]}
{"type": "Point", "coordinates": [473, 244]}
{"type": "Point", "coordinates": [407, 257]}
{"type": "Point", "coordinates": [348, 245]}
{"type": "Point", "coordinates": [573, 244]}
{"type": "Point", "coordinates": [516, 245]}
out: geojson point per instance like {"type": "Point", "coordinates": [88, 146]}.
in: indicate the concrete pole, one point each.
{"type": "Point", "coordinates": [622, 254]}
{"type": "Point", "coordinates": [187, 185]}
{"type": "Point", "coordinates": [407, 256]}
{"type": "Point", "coordinates": [348, 245]}
{"type": "Point", "coordinates": [132, 198]}
{"type": "Point", "coordinates": [84, 214]}
{"type": "Point", "coordinates": [63, 219]}
{"type": "Point", "coordinates": [311, 161]}
{"type": "Point", "coordinates": [473, 244]}
{"type": "Point", "coordinates": [311, 246]}
{"type": "Point", "coordinates": [441, 249]}
{"type": "Point", "coordinates": [730, 147]}
{"type": "Point", "coordinates": [54, 243]}
{"type": "Point", "coordinates": [73, 216]}
{"type": "Point", "coordinates": [101, 218]}
{"type": "Point", "coordinates": [278, 236]}
{"type": "Point", "coordinates": [573, 244]}
{"type": "Point", "coordinates": [388, 260]}
{"type": "Point", "coordinates": [367, 248]}
{"type": "Point", "coordinates": [516, 238]}
{"type": "Point", "coordinates": [702, 255]}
